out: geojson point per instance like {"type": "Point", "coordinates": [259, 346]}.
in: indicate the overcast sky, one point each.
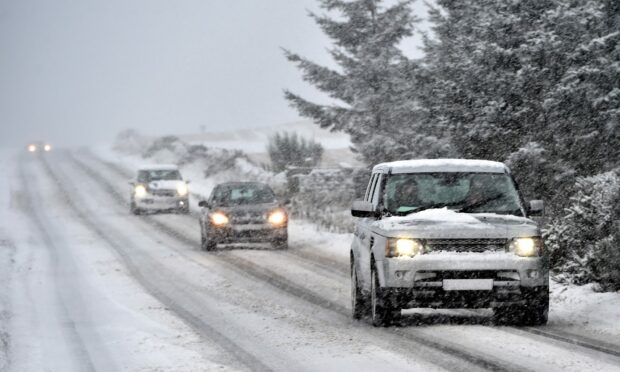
{"type": "Point", "coordinates": [77, 71]}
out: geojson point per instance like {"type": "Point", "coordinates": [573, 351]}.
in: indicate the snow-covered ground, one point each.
{"type": "Point", "coordinates": [70, 303]}
{"type": "Point", "coordinates": [579, 310]}
{"type": "Point", "coordinates": [92, 287]}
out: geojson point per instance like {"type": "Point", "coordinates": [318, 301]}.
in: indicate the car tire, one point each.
{"type": "Point", "coordinates": [205, 243]}
{"type": "Point", "coordinates": [280, 244]}
{"type": "Point", "coordinates": [359, 302]}
{"type": "Point", "coordinates": [133, 209]}
{"type": "Point", "coordinates": [381, 312]}
{"type": "Point", "coordinates": [534, 313]}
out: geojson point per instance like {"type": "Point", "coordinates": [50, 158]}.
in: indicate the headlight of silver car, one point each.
{"type": "Point", "coordinates": [139, 191]}
{"type": "Point", "coordinates": [182, 189]}
{"type": "Point", "coordinates": [403, 247]}
{"type": "Point", "coordinates": [527, 247]}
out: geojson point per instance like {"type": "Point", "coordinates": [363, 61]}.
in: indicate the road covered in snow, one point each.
{"type": "Point", "coordinates": [88, 286]}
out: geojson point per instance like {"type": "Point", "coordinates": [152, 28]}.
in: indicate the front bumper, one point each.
{"type": "Point", "coordinates": [249, 233]}
{"type": "Point", "coordinates": [464, 279]}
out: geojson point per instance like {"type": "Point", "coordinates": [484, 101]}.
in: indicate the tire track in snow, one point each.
{"type": "Point", "coordinates": [554, 334]}
{"type": "Point", "coordinates": [195, 322]}
{"type": "Point", "coordinates": [78, 344]}
{"type": "Point", "coordinates": [246, 267]}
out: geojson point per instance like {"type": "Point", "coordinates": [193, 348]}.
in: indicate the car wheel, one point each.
{"type": "Point", "coordinates": [205, 243]}
{"type": "Point", "coordinates": [381, 313]}
{"type": "Point", "coordinates": [359, 302]}
{"type": "Point", "coordinates": [134, 209]}
{"type": "Point", "coordinates": [534, 313]}
{"type": "Point", "coordinates": [280, 244]}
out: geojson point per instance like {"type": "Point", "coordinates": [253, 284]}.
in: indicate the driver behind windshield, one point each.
{"type": "Point", "coordinates": [406, 197]}
{"type": "Point", "coordinates": [243, 194]}
{"type": "Point", "coordinates": [461, 192]}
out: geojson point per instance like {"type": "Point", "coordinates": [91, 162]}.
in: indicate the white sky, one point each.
{"type": "Point", "coordinates": [78, 71]}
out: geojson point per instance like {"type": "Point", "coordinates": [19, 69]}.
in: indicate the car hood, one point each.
{"type": "Point", "coordinates": [447, 224]}
{"type": "Point", "coordinates": [164, 185]}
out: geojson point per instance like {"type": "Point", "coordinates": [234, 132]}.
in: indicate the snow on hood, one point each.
{"type": "Point", "coordinates": [445, 222]}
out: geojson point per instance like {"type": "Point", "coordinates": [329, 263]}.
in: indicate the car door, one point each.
{"type": "Point", "coordinates": [364, 234]}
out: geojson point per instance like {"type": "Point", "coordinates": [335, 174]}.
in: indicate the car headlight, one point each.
{"type": "Point", "coordinates": [182, 189]}
{"type": "Point", "coordinates": [526, 247]}
{"type": "Point", "coordinates": [47, 148]}
{"type": "Point", "coordinates": [139, 191]}
{"type": "Point", "coordinates": [32, 148]}
{"type": "Point", "coordinates": [277, 218]}
{"type": "Point", "coordinates": [403, 247]}
{"type": "Point", "coordinates": [219, 219]}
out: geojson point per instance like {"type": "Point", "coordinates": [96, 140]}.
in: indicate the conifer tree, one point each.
{"type": "Point", "coordinates": [375, 84]}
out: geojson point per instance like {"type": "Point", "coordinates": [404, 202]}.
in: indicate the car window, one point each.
{"type": "Point", "coordinates": [242, 194]}
{"type": "Point", "coordinates": [375, 193]}
{"type": "Point", "coordinates": [159, 175]}
{"type": "Point", "coordinates": [370, 187]}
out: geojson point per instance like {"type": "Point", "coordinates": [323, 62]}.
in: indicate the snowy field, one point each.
{"type": "Point", "coordinates": [91, 287]}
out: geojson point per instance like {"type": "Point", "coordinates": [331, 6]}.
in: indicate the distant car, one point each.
{"type": "Point", "coordinates": [447, 233]}
{"type": "Point", "coordinates": [243, 212]}
{"type": "Point", "coordinates": [159, 188]}
{"type": "Point", "coordinates": [39, 147]}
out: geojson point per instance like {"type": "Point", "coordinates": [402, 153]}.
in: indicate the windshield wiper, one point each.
{"type": "Point", "coordinates": [479, 203]}
{"type": "Point", "coordinates": [425, 207]}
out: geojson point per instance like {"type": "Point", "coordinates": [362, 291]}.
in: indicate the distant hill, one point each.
{"type": "Point", "coordinates": [254, 141]}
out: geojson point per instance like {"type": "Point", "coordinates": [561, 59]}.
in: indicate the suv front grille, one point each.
{"type": "Point", "coordinates": [465, 245]}
{"type": "Point", "coordinates": [163, 192]}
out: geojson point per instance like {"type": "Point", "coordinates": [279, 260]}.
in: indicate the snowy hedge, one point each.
{"type": "Point", "coordinates": [584, 242]}
{"type": "Point", "coordinates": [325, 197]}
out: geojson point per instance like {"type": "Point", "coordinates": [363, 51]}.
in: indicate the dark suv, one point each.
{"type": "Point", "coordinates": [243, 212]}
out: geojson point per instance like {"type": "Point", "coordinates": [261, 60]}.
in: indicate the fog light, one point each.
{"type": "Point", "coordinates": [181, 203]}
{"type": "Point", "coordinates": [533, 274]}
{"type": "Point", "coordinates": [401, 274]}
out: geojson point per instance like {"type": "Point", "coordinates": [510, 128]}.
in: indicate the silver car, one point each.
{"type": "Point", "coordinates": [447, 233]}
{"type": "Point", "coordinates": [159, 188]}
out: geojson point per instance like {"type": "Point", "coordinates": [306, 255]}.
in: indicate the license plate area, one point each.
{"type": "Point", "coordinates": [467, 284]}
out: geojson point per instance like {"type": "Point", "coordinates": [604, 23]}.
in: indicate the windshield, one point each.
{"type": "Point", "coordinates": [159, 175]}
{"type": "Point", "coordinates": [463, 192]}
{"type": "Point", "coordinates": [242, 194]}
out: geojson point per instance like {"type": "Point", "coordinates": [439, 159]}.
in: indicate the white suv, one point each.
{"type": "Point", "coordinates": [159, 188]}
{"type": "Point", "coordinates": [447, 233]}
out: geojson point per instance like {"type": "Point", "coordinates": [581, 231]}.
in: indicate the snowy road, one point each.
{"type": "Point", "coordinates": [91, 287]}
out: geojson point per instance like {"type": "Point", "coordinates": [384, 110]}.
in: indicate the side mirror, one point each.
{"type": "Point", "coordinates": [536, 208]}
{"type": "Point", "coordinates": [361, 208]}
{"type": "Point", "coordinates": [132, 183]}
{"type": "Point", "coordinates": [203, 204]}
{"type": "Point", "coordinates": [286, 202]}
{"type": "Point", "coordinates": [188, 181]}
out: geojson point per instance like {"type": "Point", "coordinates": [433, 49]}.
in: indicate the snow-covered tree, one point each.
{"type": "Point", "coordinates": [505, 74]}
{"type": "Point", "coordinates": [374, 88]}
{"type": "Point", "coordinates": [583, 241]}
{"type": "Point", "coordinates": [288, 149]}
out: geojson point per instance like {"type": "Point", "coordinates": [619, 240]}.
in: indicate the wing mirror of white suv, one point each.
{"type": "Point", "coordinates": [203, 204]}
{"type": "Point", "coordinates": [363, 208]}
{"type": "Point", "coordinates": [536, 208]}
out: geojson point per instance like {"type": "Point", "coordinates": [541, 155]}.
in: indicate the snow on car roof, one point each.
{"type": "Point", "coordinates": [443, 165]}
{"type": "Point", "coordinates": [158, 167]}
